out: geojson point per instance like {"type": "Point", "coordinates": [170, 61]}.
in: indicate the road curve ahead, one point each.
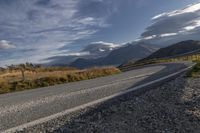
{"type": "Point", "coordinates": [32, 107]}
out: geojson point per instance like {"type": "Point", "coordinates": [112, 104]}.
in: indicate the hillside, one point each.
{"type": "Point", "coordinates": [176, 49]}
{"type": "Point", "coordinates": [185, 50]}
{"type": "Point", "coordinates": [118, 56]}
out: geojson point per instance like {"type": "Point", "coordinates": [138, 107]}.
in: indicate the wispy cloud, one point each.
{"type": "Point", "coordinates": [74, 54]}
{"type": "Point", "coordinates": [48, 25]}
{"type": "Point", "coordinates": [6, 45]}
{"type": "Point", "coordinates": [175, 25]}
{"type": "Point", "coordinates": [111, 45]}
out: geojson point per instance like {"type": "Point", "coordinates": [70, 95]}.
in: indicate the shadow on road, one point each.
{"type": "Point", "coordinates": [170, 108]}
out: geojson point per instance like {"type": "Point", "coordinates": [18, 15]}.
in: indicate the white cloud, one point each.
{"type": "Point", "coordinates": [188, 28]}
{"type": "Point", "coordinates": [189, 9]}
{"type": "Point", "coordinates": [101, 50]}
{"type": "Point", "coordinates": [159, 16]}
{"type": "Point", "coordinates": [75, 54]}
{"type": "Point", "coordinates": [6, 45]}
{"type": "Point", "coordinates": [111, 45]}
{"type": "Point", "coordinates": [174, 25]}
{"type": "Point", "coordinates": [150, 37]}
{"type": "Point", "coordinates": [168, 34]}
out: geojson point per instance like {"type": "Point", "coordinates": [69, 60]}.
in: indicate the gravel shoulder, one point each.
{"type": "Point", "coordinates": [174, 107]}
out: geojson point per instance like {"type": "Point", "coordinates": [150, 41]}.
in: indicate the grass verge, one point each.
{"type": "Point", "coordinates": [7, 86]}
{"type": "Point", "coordinates": [195, 71]}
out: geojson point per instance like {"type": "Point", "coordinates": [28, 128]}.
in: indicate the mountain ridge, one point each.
{"type": "Point", "coordinates": [175, 49]}
{"type": "Point", "coordinates": [123, 54]}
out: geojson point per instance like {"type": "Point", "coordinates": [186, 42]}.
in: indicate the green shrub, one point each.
{"type": "Point", "coordinates": [195, 72]}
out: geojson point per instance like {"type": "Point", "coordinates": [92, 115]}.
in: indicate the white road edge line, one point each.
{"type": "Point", "coordinates": [68, 111]}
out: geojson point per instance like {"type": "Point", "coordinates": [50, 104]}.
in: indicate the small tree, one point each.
{"type": "Point", "coordinates": [22, 68]}
{"type": "Point", "coordinates": [11, 68]}
{"type": "Point", "coordinates": [2, 69]}
{"type": "Point", "coordinates": [26, 67]}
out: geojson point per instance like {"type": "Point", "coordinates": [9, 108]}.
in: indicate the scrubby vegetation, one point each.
{"type": "Point", "coordinates": [195, 71]}
{"type": "Point", "coordinates": [26, 76]}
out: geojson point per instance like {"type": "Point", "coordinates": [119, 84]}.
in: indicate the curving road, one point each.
{"type": "Point", "coordinates": [32, 107]}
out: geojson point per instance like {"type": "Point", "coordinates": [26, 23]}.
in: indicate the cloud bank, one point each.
{"type": "Point", "coordinates": [176, 25]}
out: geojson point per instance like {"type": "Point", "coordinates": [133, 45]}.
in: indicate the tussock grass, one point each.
{"type": "Point", "coordinates": [195, 71]}
{"type": "Point", "coordinates": [11, 81]}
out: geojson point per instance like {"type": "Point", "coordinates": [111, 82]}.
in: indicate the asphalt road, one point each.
{"type": "Point", "coordinates": [24, 107]}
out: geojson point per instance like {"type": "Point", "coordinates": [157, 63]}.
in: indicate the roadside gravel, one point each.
{"type": "Point", "coordinates": [174, 107]}
{"type": "Point", "coordinates": [171, 108]}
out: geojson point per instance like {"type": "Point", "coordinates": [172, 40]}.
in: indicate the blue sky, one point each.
{"type": "Point", "coordinates": [32, 30]}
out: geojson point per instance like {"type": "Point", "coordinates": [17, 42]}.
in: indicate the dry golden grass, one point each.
{"type": "Point", "coordinates": [29, 75]}
{"type": "Point", "coordinates": [11, 81]}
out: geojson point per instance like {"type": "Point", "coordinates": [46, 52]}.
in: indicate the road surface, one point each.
{"type": "Point", "coordinates": [27, 108]}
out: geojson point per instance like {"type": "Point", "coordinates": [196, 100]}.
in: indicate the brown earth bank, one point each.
{"type": "Point", "coordinates": [173, 107]}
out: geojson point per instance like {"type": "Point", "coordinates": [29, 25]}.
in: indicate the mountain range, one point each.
{"type": "Point", "coordinates": [100, 54]}
{"type": "Point", "coordinates": [130, 51]}
{"type": "Point", "coordinates": [100, 49]}
{"type": "Point", "coordinates": [91, 51]}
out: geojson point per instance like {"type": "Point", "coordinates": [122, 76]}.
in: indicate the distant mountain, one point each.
{"type": "Point", "coordinates": [176, 49]}
{"type": "Point", "coordinates": [60, 60]}
{"type": "Point", "coordinates": [100, 49]}
{"type": "Point", "coordinates": [118, 56]}
{"type": "Point", "coordinates": [95, 50]}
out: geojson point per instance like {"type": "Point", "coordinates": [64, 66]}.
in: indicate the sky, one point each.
{"type": "Point", "coordinates": [33, 30]}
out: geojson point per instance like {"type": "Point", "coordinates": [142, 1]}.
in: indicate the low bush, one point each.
{"type": "Point", "coordinates": [195, 71]}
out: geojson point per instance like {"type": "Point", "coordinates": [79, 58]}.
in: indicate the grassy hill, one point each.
{"type": "Point", "coordinates": [185, 50]}
{"type": "Point", "coordinates": [177, 49]}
